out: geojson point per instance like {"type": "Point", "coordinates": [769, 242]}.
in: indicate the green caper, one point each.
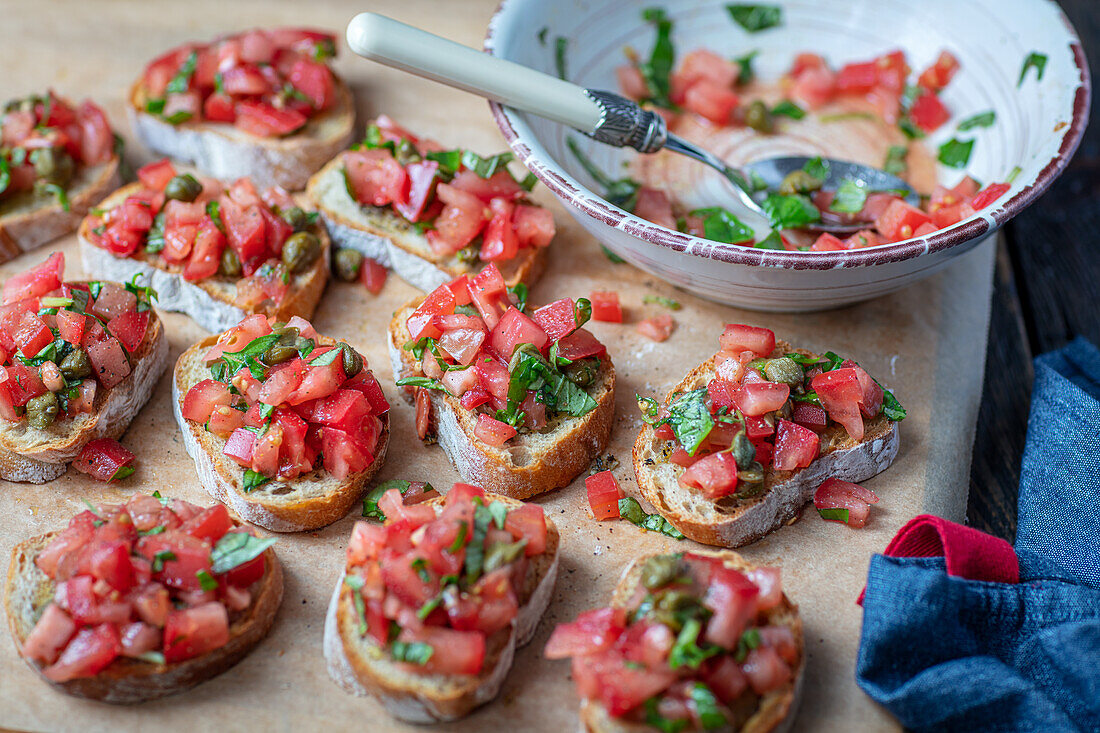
{"type": "Point", "coordinates": [231, 263]}
{"type": "Point", "coordinates": [468, 255]}
{"type": "Point", "coordinates": [296, 217]}
{"type": "Point", "coordinates": [406, 153]}
{"type": "Point", "coordinates": [758, 118]}
{"type": "Point", "coordinates": [42, 410]}
{"type": "Point", "coordinates": [751, 480]}
{"type": "Point", "coordinates": [743, 451]}
{"type": "Point", "coordinates": [347, 263]}
{"type": "Point", "coordinates": [76, 365]}
{"type": "Point", "coordinates": [52, 165]}
{"type": "Point", "coordinates": [582, 372]}
{"type": "Point", "coordinates": [784, 370]}
{"type": "Point", "coordinates": [287, 334]}
{"type": "Point", "coordinates": [660, 570]}
{"type": "Point", "coordinates": [672, 606]}
{"type": "Point", "coordinates": [799, 181]}
{"type": "Point", "coordinates": [183, 188]}
{"type": "Point", "coordinates": [279, 353]}
{"type": "Point", "coordinates": [353, 360]}
{"type": "Point", "coordinates": [301, 250]}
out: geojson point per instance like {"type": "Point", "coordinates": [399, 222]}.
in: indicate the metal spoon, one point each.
{"type": "Point", "coordinates": [604, 116]}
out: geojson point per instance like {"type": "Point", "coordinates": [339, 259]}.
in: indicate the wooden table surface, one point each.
{"type": "Point", "coordinates": [1045, 295]}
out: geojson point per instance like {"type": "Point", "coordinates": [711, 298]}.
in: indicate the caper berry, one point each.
{"type": "Point", "coordinates": [76, 365]}
{"type": "Point", "coordinates": [799, 181]}
{"type": "Point", "coordinates": [784, 370]}
{"type": "Point", "coordinates": [582, 373]}
{"type": "Point", "coordinates": [52, 165]}
{"type": "Point", "coordinates": [231, 263]}
{"type": "Point", "coordinates": [287, 334]}
{"type": "Point", "coordinates": [758, 118]}
{"type": "Point", "coordinates": [347, 263]}
{"type": "Point", "coordinates": [353, 360]}
{"type": "Point", "coordinates": [42, 410]}
{"type": "Point", "coordinates": [751, 480]}
{"type": "Point", "coordinates": [183, 188]}
{"type": "Point", "coordinates": [660, 570]}
{"type": "Point", "coordinates": [743, 451]}
{"type": "Point", "coordinates": [301, 250]}
{"type": "Point", "coordinates": [279, 353]}
{"type": "Point", "coordinates": [296, 217]}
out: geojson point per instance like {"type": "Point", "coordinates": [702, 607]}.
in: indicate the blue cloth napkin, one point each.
{"type": "Point", "coordinates": [944, 653]}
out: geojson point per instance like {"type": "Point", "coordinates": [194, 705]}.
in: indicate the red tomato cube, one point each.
{"type": "Point", "coordinates": [603, 495]}
{"type": "Point", "coordinates": [606, 307]}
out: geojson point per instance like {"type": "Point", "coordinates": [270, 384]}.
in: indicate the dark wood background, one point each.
{"type": "Point", "coordinates": [1046, 293]}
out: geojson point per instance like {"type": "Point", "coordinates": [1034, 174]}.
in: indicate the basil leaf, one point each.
{"type": "Point", "coordinates": [485, 167]}
{"type": "Point", "coordinates": [722, 226]}
{"type": "Point", "coordinates": [416, 652]}
{"type": "Point", "coordinates": [772, 241]}
{"type": "Point", "coordinates": [179, 83]}
{"type": "Point", "coordinates": [755, 18]}
{"type": "Point", "coordinates": [58, 193]}
{"type": "Point", "coordinates": [1034, 60]}
{"type": "Point", "coordinates": [370, 501]}
{"type": "Point", "coordinates": [5, 173]}
{"type": "Point", "coordinates": [326, 358]}
{"type": "Point", "coordinates": [520, 291]}
{"type": "Point", "coordinates": [475, 551]}
{"type": "Point", "coordinates": [206, 580]}
{"type": "Point", "coordinates": [499, 511]}
{"type": "Point", "coordinates": [791, 211]}
{"type": "Point", "coordinates": [891, 408]}
{"type": "Point", "coordinates": [983, 119]}
{"type": "Point", "coordinates": [956, 153]}
{"type": "Point", "coordinates": [611, 255]}
{"type": "Point", "coordinates": [686, 651]}
{"type": "Point", "coordinates": [154, 241]}
{"type": "Point", "coordinates": [429, 605]}
{"type": "Point", "coordinates": [155, 106]}
{"type": "Point", "coordinates": [817, 167]}
{"type": "Point", "coordinates": [460, 539]}
{"type": "Point", "coordinates": [162, 557]}
{"type": "Point", "coordinates": [631, 511]}
{"type": "Point", "coordinates": [527, 183]}
{"type": "Point", "coordinates": [253, 480]}
{"type": "Point", "coordinates": [787, 108]}
{"type": "Point", "coordinates": [706, 707]}
{"type": "Point", "coordinates": [907, 126]}
{"type": "Point", "coordinates": [838, 515]}
{"type": "Point", "coordinates": [425, 382]}
{"type": "Point", "coordinates": [235, 549]}
{"type": "Point", "coordinates": [177, 117]}
{"type": "Point", "coordinates": [561, 45]}
{"type": "Point", "coordinates": [449, 160]}
{"type": "Point", "coordinates": [665, 725]}
{"type": "Point", "coordinates": [662, 300]}
{"type": "Point", "coordinates": [658, 68]}
{"type": "Point", "coordinates": [745, 72]}
{"type": "Point", "coordinates": [850, 197]}
{"type": "Point", "coordinates": [895, 159]}
{"type": "Point", "coordinates": [690, 419]}
{"type": "Point", "coordinates": [355, 583]}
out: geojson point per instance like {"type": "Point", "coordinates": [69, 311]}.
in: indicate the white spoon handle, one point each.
{"type": "Point", "coordinates": [389, 42]}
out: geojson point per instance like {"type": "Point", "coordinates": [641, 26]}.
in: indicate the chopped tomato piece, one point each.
{"type": "Point", "coordinates": [928, 112]}
{"type": "Point", "coordinates": [593, 632]}
{"type": "Point", "coordinates": [37, 281]}
{"type": "Point", "coordinates": [264, 120]}
{"type": "Point", "coordinates": [513, 329]}
{"type": "Point", "coordinates": [89, 653]}
{"type": "Point", "coordinates": [714, 475]}
{"type": "Point", "coordinates": [853, 498]}
{"type": "Point", "coordinates": [603, 495]}
{"type": "Point", "coordinates": [841, 393]}
{"type": "Point", "coordinates": [372, 275]}
{"type": "Point", "coordinates": [900, 220]}
{"type": "Point", "coordinates": [103, 459]}
{"type": "Point", "coordinates": [739, 337]}
{"type": "Point", "coordinates": [193, 632]}
{"type": "Point", "coordinates": [712, 101]}
{"type": "Point", "coordinates": [658, 328]}
{"type": "Point", "coordinates": [157, 174]}
{"type": "Point", "coordinates": [939, 74]}
{"type": "Point", "coordinates": [795, 446]}
{"type": "Point", "coordinates": [375, 178]}
{"type": "Point", "coordinates": [989, 194]}
{"type": "Point", "coordinates": [606, 307]}
{"type": "Point", "coordinates": [493, 431]}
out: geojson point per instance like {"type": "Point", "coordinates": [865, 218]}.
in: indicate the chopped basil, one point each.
{"type": "Point", "coordinates": [206, 580]}
{"type": "Point", "coordinates": [162, 557]}
{"type": "Point", "coordinates": [266, 410]}
{"type": "Point", "coordinates": [179, 83]}
{"type": "Point", "coordinates": [326, 358]}
{"type": "Point", "coordinates": [649, 407]}
{"type": "Point", "coordinates": [177, 117]}
{"type": "Point", "coordinates": [790, 211]}
{"type": "Point", "coordinates": [631, 511]}
{"type": "Point", "coordinates": [745, 72]}
{"type": "Point", "coordinates": [956, 153]}
{"type": "Point", "coordinates": [754, 18]}
{"type": "Point", "coordinates": [529, 371]}
{"type": "Point", "coordinates": [155, 530]}
{"type": "Point", "coordinates": [527, 183]}
{"type": "Point", "coordinates": [519, 290]}
{"type": "Point", "coordinates": [891, 408]}
{"type": "Point", "coordinates": [817, 167]}
{"type": "Point", "coordinates": [498, 510]}
{"type": "Point", "coordinates": [485, 167]}
{"type": "Point", "coordinates": [235, 549]}
{"type": "Point", "coordinates": [355, 583]}
{"type": "Point", "coordinates": [907, 126]}
{"type": "Point", "coordinates": [561, 45]}
{"type": "Point", "coordinates": [416, 652]}
{"type": "Point", "coordinates": [686, 651]}
{"type": "Point", "coordinates": [5, 173]}
{"type": "Point", "coordinates": [145, 294]}
{"type": "Point", "coordinates": [370, 501]}
{"type": "Point", "coordinates": [850, 197]}
{"type": "Point", "coordinates": [253, 480]}
{"type": "Point", "coordinates": [895, 159]}
{"type": "Point", "coordinates": [984, 119]}
{"type": "Point", "coordinates": [772, 241]}
{"type": "Point", "coordinates": [838, 515]}
{"type": "Point", "coordinates": [428, 606]}
{"type": "Point", "coordinates": [163, 499]}
{"type": "Point", "coordinates": [657, 70]}
{"type": "Point", "coordinates": [449, 160]}
{"type": "Point", "coordinates": [122, 472]}
{"type": "Point", "coordinates": [690, 419]}
{"type": "Point", "coordinates": [1034, 60]}
{"type": "Point", "coordinates": [1017, 170]}
{"type": "Point", "coordinates": [706, 707]}
{"type": "Point", "coordinates": [420, 565]}
{"type": "Point", "coordinates": [154, 106]}
{"type": "Point", "coordinates": [425, 382]}
{"type": "Point", "coordinates": [654, 719]}
{"type": "Point", "coordinates": [662, 300]}
{"type": "Point", "coordinates": [475, 551]}
{"type": "Point", "coordinates": [787, 108]}
{"type": "Point", "coordinates": [91, 507]}
{"type": "Point", "coordinates": [749, 640]}
{"type": "Point", "coordinates": [541, 35]}
{"type": "Point", "coordinates": [154, 240]}
{"type": "Point", "coordinates": [720, 225]}
{"type": "Point", "coordinates": [460, 539]}
{"type": "Point", "coordinates": [59, 193]}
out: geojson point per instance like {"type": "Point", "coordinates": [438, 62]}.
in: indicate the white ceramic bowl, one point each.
{"type": "Point", "coordinates": [1038, 127]}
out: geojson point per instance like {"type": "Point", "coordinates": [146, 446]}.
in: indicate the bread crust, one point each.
{"type": "Point", "coordinates": [221, 477]}
{"type": "Point", "coordinates": [22, 231]}
{"type": "Point", "coordinates": [785, 492]}
{"type": "Point", "coordinates": [513, 470]}
{"type": "Point", "coordinates": [776, 710]}
{"type": "Point", "coordinates": [36, 456]}
{"type": "Point", "coordinates": [212, 302]}
{"type": "Point", "coordinates": [221, 150]}
{"type": "Point", "coordinates": [361, 667]}
{"type": "Point", "coordinates": [127, 681]}
{"type": "Point", "coordinates": [391, 241]}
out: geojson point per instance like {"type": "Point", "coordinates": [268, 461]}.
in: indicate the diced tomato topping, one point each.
{"type": "Point", "coordinates": [193, 632]}
{"type": "Point", "coordinates": [657, 328]}
{"type": "Point", "coordinates": [493, 431]}
{"type": "Point", "coordinates": [513, 329]}
{"type": "Point", "coordinates": [87, 654]}
{"type": "Point", "coordinates": [603, 495]}
{"type": "Point", "coordinates": [928, 112]}
{"type": "Point", "coordinates": [130, 328]}
{"type": "Point", "coordinates": [739, 337]}
{"type": "Point", "coordinates": [710, 100]}
{"type": "Point", "coordinates": [714, 475]}
{"type": "Point", "coordinates": [841, 393]}
{"type": "Point", "coordinates": [593, 632]}
{"type": "Point", "coordinates": [605, 306]}
{"type": "Point", "coordinates": [156, 175]}
{"type": "Point", "coordinates": [375, 177]}
{"type": "Point", "coordinates": [462, 219]}
{"type": "Point", "coordinates": [837, 494]}
{"type": "Point", "coordinates": [900, 220]}
{"type": "Point", "coordinates": [989, 194]}
{"type": "Point", "coordinates": [103, 458]}
{"type": "Point", "coordinates": [264, 120]}
{"type": "Point", "coordinates": [795, 446]}
{"type": "Point", "coordinates": [109, 361]}
{"type": "Point", "coordinates": [372, 275]}
{"type": "Point", "coordinates": [939, 74]}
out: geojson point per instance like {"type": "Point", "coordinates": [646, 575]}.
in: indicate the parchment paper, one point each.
{"type": "Point", "coordinates": [927, 343]}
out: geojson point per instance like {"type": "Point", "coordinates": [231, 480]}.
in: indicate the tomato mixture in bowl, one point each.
{"type": "Point", "coordinates": [63, 344]}
{"type": "Point", "coordinates": [267, 83]}
{"type": "Point", "coordinates": [287, 402]}
{"type": "Point", "coordinates": [152, 580]}
{"type": "Point", "coordinates": [695, 646]}
{"type": "Point", "coordinates": [440, 578]}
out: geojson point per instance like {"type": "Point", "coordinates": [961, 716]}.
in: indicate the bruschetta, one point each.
{"type": "Point", "coordinates": [520, 399]}
{"type": "Point", "coordinates": [691, 642]}
{"type": "Point", "coordinates": [78, 360]}
{"type": "Point", "coordinates": [57, 160]}
{"type": "Point", "coordinates": [217, 252]}
{"type": "Point", "coordinates": [431, 606]}
{"type": "Point", "coordinates": [429, 213]}
{"type": "Point", "coordinates": [285, 426]}
{"type": "Point", "coordinates": [136, 601]}
{"type": "Point", "coordinates": [263, 104]}
{"type": "Point", "coordinates": [743, 441]}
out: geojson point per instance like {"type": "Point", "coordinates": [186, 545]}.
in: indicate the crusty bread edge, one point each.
{"type": "Point", "coordinates": [423, 704]}
{"type": "Point", "coordinates": [130, 681]}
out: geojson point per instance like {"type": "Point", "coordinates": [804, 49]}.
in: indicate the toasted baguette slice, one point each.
{"type": "Point", "coordinates": [26, 222]}
{"type": "Point", "coordinates": [311, 501]}
{"type": "Point", "coordinates": [37, 455]}
{"type": "Point", "coordinates": [392, 241]}
{"type": "Point", "coordinates": [735, 521]}
{"type": "Point", "coordinates": [211, 303]}
{"type": "Point", "coordinates": [530, 463]}
{"type": "Point", "coordinates": [363, 668]}
{"type": "Point", "coordinates": [126, 681]}
{"type": "Point", "coordinates": [775, 711]}
{"type": "Point", "coordinates": [221, 150]}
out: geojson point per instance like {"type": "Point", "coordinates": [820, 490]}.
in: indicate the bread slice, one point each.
{"type": "Point", "coordinates": [311, 501]}
{"type": "Point", "coordinates": [392, 241]}
{"type": "Point", "coordinates": [735, 521]}
{"type": "Point", "coordinates": [775, 711]}
{"type": "Point", "coordinates": [363, 668]}
{"type": "Point", "coordinates": [37, 455]}
{"type": "Point", "coordinates": [221, 150]}
{"type": "Point", "coordinates": [212, 302]}
{"type": "Point", "coordinates": [27, 223]}
{"type": "Point", "coordinates": [530, 463]}
{"type": "Point", "coordinates": [126, 681]}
